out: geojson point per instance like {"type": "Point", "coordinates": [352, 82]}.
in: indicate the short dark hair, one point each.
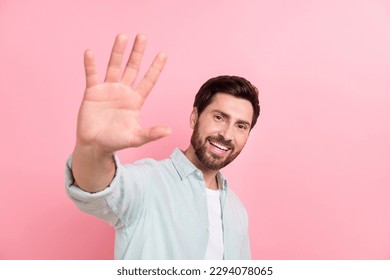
{"type": "Point", "coordinates": [236, 86]}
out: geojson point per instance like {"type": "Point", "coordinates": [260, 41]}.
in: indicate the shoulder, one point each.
{"type": "Point", "coordinates": [235, 203]}
{"type": "Point", "coordinates": [233, 197]}
{"type": "Point", "coordinates": [148, 167]}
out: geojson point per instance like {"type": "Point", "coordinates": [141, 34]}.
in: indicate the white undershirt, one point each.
{"type": "Point", "coordinates": [214, 250]}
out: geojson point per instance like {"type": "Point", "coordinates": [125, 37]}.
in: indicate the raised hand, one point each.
{"type": "Point", "coordinates": [108, 119]}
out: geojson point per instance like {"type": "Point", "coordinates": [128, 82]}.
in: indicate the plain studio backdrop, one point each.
{"type": "Point", "coordinates": [315, 173]}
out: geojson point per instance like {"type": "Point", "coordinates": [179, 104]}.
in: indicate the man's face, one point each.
{"type": "Point", "coordinates": [221, 131]}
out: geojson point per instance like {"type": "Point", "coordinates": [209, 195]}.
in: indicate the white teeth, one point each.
{"type": "Point", "coordinates": [219, 146]}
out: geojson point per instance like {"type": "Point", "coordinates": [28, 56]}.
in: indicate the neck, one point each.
{"type": "Point", "coordinates": [209, 175]}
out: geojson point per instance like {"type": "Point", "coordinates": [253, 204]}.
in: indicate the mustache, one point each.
{"type": "Point", "coordinates": [222, 140]}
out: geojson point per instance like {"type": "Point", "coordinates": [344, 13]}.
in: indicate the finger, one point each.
{"type": "Point", "coordinates": [146, 135]}
{"type": "Point", "coordinates": [151, 77]}
{"type": "Point", "coordinates": [91, 76]}
{"type": "Point", "coordinates": [114, 65]}
{"type": "Point", "coordinates": [135, 59]}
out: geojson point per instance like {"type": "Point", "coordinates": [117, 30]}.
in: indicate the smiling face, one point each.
{"type": "Point", "coordinates": [220, 131]}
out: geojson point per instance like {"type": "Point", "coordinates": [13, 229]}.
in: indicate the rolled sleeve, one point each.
{"type": "Point", "coordinates": [116, 204]}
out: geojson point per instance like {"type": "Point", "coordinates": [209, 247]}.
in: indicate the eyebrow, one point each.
{"type": "Point", "coordinates": [225, 115]}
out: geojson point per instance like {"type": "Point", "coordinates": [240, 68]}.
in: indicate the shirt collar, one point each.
{"type": "Point", "coordinates": [185, 167]}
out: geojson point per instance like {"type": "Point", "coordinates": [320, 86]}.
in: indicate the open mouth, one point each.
{"type": "Point", "coordinates": [219, 146]}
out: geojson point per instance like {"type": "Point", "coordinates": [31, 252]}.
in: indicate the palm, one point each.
{"type": "Point", "coordinates": [109, 116]}
{"type": "Point", "coordinates": [109, 113]}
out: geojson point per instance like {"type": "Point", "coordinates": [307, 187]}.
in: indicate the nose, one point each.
{"type": "Point", "coordinates": [227, 132]}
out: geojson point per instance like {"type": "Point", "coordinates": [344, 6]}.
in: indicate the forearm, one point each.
{"type": "Point", "coordinates": [92, 169]}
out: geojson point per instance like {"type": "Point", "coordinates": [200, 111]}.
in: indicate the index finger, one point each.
{"type": "Point", "coordinates": [151, 77]}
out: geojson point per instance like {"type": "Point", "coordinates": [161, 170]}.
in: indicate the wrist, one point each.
{"type": "Point", "coordinates": [92, 151]}
{"type": "Point", "coordinates": [93, 169]}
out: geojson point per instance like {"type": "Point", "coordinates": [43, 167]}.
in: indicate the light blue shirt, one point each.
{"type": "Point", "coordinates": [159, 210]}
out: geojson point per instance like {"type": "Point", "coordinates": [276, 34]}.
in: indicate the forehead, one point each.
{"type": "Point", "coordinates": [235, 107]}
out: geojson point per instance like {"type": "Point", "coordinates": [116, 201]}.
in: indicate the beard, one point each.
{"type": "Point", "coordinates": [210, 160]}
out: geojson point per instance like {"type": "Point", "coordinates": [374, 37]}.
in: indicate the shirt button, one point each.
{"type": "Point", "coordinates": [203, 194]}
{"type": "Point", "coordinates": [207, 229]}
{"type": "Point", "coordinates": [199, 174]}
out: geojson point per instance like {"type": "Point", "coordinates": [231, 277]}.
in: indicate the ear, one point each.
{"type": "Point", "coordinates": [193, 117]}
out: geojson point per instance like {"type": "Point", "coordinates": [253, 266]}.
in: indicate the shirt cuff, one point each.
{"type": "Point", "coordinates": [79, 195]}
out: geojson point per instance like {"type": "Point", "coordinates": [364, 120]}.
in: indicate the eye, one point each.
{"type": "Point", "coordinates": [242, 127]}
{"type": "Point", "coordinates": [218, 118]}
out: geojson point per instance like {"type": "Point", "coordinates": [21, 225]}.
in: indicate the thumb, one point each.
{"type": "Point", "coordinates": [149, 134]}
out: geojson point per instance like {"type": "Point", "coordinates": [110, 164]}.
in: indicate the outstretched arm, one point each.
{"type": "Point", "coordinates": [108, 119]}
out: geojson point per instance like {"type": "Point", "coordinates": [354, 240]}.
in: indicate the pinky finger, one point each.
{"type": "Point", "coordinates": [91, 75]}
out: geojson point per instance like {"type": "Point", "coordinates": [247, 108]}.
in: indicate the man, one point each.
{"type": "Point", "coordinates": [177, 208]}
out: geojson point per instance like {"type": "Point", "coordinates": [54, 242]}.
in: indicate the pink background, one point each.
{"type": "Point", "coordinates": [315, 173]}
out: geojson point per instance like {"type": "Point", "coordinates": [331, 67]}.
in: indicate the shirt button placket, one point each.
{"type": "Point", "coordinates": [199, 174]}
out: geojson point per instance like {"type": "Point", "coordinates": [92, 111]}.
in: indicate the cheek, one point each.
{"type": "Point", "coordinates": [241, 141]}
{"type": "Point", "coordinates": [209, 129]}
